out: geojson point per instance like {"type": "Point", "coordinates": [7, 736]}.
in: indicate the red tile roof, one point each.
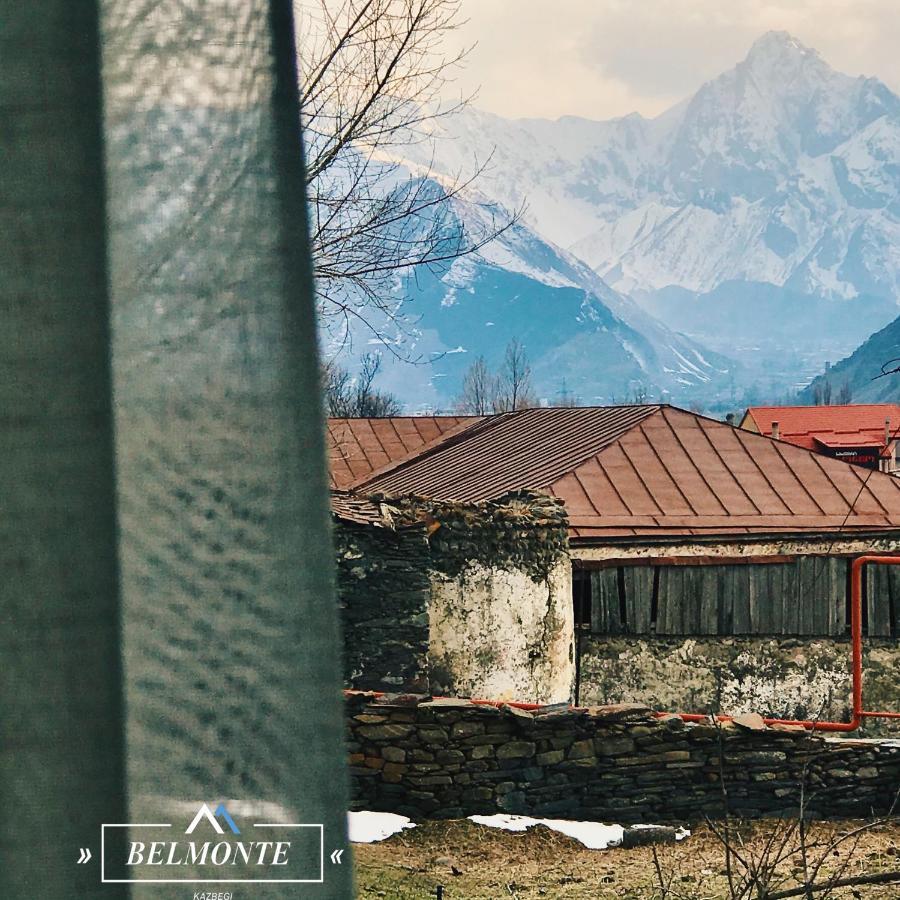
{"type": "Point", "coordinates": [649, 470]}
{"type": "Point", "coordinates": [852, 425]}
{"type": "Point", "coordinates": [358, 447]}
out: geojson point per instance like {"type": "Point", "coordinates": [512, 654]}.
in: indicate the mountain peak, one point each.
{"type": "Point", "coordinates": [776, 47]}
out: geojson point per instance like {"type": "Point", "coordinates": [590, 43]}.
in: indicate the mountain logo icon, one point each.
{"type": "Point", "coordinates": [213, 818]}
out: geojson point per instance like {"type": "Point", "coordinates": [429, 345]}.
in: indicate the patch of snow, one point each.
{"type": "Point", "coordinates": [690, 369]}
{"type": "Point", "coordinates": [630, 348]}
{"type": "Point", "coordinates": [368, 827]}
{"type": "Point", "coordinates": [594, 835]}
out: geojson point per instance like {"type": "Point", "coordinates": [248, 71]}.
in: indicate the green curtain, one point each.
{"type": "Point", "coordinates": [230, 635]}
{"type": "Point", "coordinates": [61, 754]}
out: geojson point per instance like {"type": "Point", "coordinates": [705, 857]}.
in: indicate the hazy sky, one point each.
{"type": "Point", "coordinates": [604, 58]}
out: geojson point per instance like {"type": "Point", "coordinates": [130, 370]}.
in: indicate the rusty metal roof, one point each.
{"type": "Point", "coordinates": [514, 451]}
{"type": "Point", "coordinates": [650, 470]}
{"type": "Point", "coordinates": [358, 447]}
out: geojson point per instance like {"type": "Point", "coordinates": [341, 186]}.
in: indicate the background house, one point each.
{"type": "Point", "coordinates": [863, 434]}
{"type": "Point", "coordinates": [709, 564]}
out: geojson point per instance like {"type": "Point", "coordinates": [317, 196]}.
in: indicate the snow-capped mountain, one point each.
{"type": "Point", "coordinates": [780, 170]}
{"type": "Point", "coordinates": [581, 337]}
{"type": "Point", "coordinates": [780, 173]}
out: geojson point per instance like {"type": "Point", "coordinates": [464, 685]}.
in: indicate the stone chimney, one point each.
{"type": "Point", "coordinates": [776, 431]}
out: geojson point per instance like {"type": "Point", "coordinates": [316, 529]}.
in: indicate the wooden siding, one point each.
{"type": "Point", "coordinates": [807, 596]}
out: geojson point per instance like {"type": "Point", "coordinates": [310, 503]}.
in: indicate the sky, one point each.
{"type": "Point", "coordinates": [606, 58]}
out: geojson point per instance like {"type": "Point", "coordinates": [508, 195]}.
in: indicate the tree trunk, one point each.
{"type": "Point", "coordinates": [61, 749]}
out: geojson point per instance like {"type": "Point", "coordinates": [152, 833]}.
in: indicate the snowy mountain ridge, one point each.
{"type": "Point", "coordinates": [770, 194]}
{"type": "Point", "coordinates": [781, 170]}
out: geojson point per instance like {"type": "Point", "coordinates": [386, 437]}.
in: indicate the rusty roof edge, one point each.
{"type": "Point", "coordinates": [449, 438]}
{"type": "Point", "coordinates": [848, 532]}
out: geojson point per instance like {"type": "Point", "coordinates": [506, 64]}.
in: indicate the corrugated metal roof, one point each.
{"type": "Point", "coordinates": [850, 425]}
{"type": "Point", "coordinates": [513, 451]}
{"type": "Point", "coordinates": [682, 473]}
{"type": "Point", "coordinates": [650, 470]}
{"type": "Point", "coordinates": [358, 447]}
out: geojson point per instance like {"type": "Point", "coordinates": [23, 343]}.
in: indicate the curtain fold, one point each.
{"type": "Point", "coordinates": [230, 637]}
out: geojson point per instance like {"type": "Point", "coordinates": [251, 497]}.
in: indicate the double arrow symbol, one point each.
{"type": "Point", "coordinates": [84, 855]}
{"type": "Point", "coordinates": [336, 856]}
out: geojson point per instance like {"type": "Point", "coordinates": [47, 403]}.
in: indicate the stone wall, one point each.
{"type": "Point", "coordinates": [450, 758]}
{"type": "Point", "coordinates": [459, 598]}
{"type": "Point", "coordinates": [384, 587]}
{"type": "Point", "coordinates": [785, 678]}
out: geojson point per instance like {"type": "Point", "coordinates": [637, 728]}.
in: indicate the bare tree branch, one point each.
{"type": "Point", "coordinates": [375, 79]}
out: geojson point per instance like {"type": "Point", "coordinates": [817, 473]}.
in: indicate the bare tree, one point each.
{"type": "Point", "coordinates": [514, 387]}
{"type": "Point", "coordinates": [822, 392]}
{"type": "Point", "coordinates": [845, 394]}
{"type": "Point", "coordinates": [638, 395]}
{"type": "Point", "coordinates": [479, 390]}
{"type": "Point", "coordinates": [348, 397]}
{"type": "Point", "coordinates": [374, 77]}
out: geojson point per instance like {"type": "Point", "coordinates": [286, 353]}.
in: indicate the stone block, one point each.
{"type": "Point", "coordinates": [516, 750]}
{"type": "Point", "coordinates": [513, 802]}
{"type": "Point", "coordinates": [464, 729]}
{"type": "Point", "coordinates": [523, 715]}
{"type": "Point", "coordinates": [484, 751]}
{"type": "Point", "coordinates": [613, 746]}
{"type": "Point", "coordinates": [450, 756]}
{"type": "Point", "coordinates": [750, 722]}
{"type": "Point", "coordinates": [550, 758]}
{"type": "Point", "coordinates": [442, 703]}
{"type": "Point", "coordinates": [393, 772]}
{"type": "Point", "coordinates": [384, 732]}
{"type": "Point", "coordinates": [581, 749]}
{"type": "Point", "coordinates": [620, 712]}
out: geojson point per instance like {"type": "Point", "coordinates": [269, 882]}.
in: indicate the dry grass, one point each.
{"type": "Point", "coordinates": [472, 862]}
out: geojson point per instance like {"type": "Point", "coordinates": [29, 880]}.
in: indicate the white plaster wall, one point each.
{"type": "Point", "coordinates": [787, 546]}
{"type": "Point", "coordinates": [779, 677]}
{"type": "Point", "coordinates": [497, 634]}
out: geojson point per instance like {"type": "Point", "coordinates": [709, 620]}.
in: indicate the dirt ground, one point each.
{"type": "Point", "coordinates": [472, 862]}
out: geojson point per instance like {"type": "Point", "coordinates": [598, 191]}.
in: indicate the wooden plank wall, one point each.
{"type": "Point", "coordinates": [882, 601]}
{"type": "Point", "coordinates": [804, 596]}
